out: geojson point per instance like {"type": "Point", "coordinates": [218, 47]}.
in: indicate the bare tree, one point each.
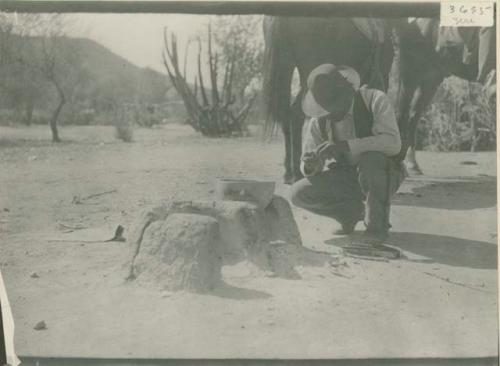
{"type": "Point", "coordinates": [51, 62]}
{"type": "Point", "coordinates": [38, 50]}
{"type": "Point", "coordinates": [19, 82]}
{"type": "Point", "coordinates": [49, 68]}
{"type": "Point", "coordinates": [210, 111]}
{"type": "Point", "coordinates": [6, 29]}
{"type": "Point", "coordinates": [240, 37]}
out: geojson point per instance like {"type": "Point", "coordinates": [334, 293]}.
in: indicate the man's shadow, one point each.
{"type": "Point", "coordinates": [443, 249]}
{"type": "Point", "coordinates": [451, 194]}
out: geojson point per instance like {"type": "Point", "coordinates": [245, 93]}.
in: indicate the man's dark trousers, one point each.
{"type": "Point", "coordinates": [339, 192]}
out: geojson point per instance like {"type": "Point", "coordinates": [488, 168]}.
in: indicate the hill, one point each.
{"type": "Point", "coordinates": [113, 77]}
{"type": "Point", "coordinates": [92, 76]}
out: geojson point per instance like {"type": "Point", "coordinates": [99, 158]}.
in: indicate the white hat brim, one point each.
{"type": "Point", "coordinates": [309, 105]}
{"type": "Point", "coordinates": [351, 75]}
{"type": "Point", "coordinates": [311, 108]}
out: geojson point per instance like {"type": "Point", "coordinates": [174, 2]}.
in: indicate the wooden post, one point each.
{"type": "Point", "coordinates": [277, 8]}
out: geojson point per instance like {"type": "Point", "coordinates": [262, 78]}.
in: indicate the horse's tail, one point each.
{"type": "Point", "coordinates": [278, 68]}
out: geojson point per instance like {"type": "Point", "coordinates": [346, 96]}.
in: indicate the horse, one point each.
{"type": "Point", "coordinates": [303, 43]}
{"type": "Point", "coordinates": [428, 54]}
{"type": "Point", "coordinates": [409, 50]}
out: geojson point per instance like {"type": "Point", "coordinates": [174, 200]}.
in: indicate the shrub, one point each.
{"type": "Point", "coordinates": [124, 127]}
{"type": "Point", "coordinates": [461, 118]}
{"type": "Point", "coordinates": [124, 132]}
{"type": "Point", "coordinates": [40, 119]}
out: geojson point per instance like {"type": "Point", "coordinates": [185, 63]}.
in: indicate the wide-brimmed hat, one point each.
{"type": "Point", "coordinates": [328, 89]}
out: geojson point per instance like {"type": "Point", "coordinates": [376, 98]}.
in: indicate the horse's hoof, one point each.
{"type": "Point", "coordinates": [288, 179]}
{"type": "Point", "coordinates": [414, 169]}
{"type": "Point", "coordinates": [297, 177]}
{"type": "Point", "coordinates": [291, 179]}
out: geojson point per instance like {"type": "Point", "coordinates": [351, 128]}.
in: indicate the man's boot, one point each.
{"type": "Point", "coordinates": [348, 227]}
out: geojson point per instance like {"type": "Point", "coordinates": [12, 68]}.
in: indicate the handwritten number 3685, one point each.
{"type": "Point", "coordinates": [463, 9]}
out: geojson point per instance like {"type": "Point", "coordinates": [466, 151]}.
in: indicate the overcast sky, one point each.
{"type": "Point", "coordinates": [137, 37]}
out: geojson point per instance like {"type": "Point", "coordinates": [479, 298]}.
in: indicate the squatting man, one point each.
{"type": "Point", "coordinates": [349, 148]}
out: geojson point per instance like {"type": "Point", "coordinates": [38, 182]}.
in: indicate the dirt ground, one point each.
{"type": "Point", "coordinates": [439, 301]}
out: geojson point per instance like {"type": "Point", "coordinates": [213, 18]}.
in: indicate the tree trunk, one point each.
{"type": "Point", "coordinates": [55, 115]}
{"type": "Point", "coordinates": [29, 112]}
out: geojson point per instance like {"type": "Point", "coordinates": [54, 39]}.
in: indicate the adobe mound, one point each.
{"type": "Point", "coordinates": [183, 245]}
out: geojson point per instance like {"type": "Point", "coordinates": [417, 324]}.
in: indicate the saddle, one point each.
{"type": "Point", "coordinates": [464, 39]}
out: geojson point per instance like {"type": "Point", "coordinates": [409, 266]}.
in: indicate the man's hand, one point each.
{"type": "Point", "coordinates": [312, 162]}
{"type": "Point", "coordinates": [327, 150]}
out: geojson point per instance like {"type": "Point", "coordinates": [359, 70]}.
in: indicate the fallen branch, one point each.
{"type": "Point", "coordinates": [71, 227]}
{"type": "Point", "coordinates": [455, 282]}
{"type": "Point", "coordinates": [118, 236]}
{"type": "Point", "coordinates": [79, 200]}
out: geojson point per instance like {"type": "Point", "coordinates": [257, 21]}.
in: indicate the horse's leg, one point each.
{"type": "Point", "coordinates": [285, 128]}
{"type": "Point", "coordinates": [296, 123]}
{"type": "Point", "coordinates": [486, 52]}
{"type": "Point", "coordinates": [411, 163]}
{"type": "Point", "coordinates": [387, 56]}
{"type": "Point", "coordinates": [278, 70]}
{"type": "Point", "coordinates": [420, 101]}
{"type": "Point", "coordinates": [411, 159]}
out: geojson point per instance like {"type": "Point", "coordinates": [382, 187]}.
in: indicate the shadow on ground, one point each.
{"type": "Point", "coordinates": [26, 143]}
{"type": "Point", "coordinates": [281, 259]}
{"type": "Point", "coordinates": [450, 194]}
{"type": "Point", "coordinates": [448, 250]}
{"type": "Point", "coordinates": [442, 249]}
{"type": "Point", "coordinates": [227, 291]}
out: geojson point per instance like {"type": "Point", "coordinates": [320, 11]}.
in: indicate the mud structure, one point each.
{"type": "Point", "coordinates": [180, 252]}
{"type": "Point", "coordinates": [183, 245]}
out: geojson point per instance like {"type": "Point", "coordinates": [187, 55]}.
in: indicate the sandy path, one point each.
{"type": "Point", "coordinates": [439, 302]}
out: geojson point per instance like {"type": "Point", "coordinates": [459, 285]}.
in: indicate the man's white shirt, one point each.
{"type": "Point", "coordinates": [386, 137]}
